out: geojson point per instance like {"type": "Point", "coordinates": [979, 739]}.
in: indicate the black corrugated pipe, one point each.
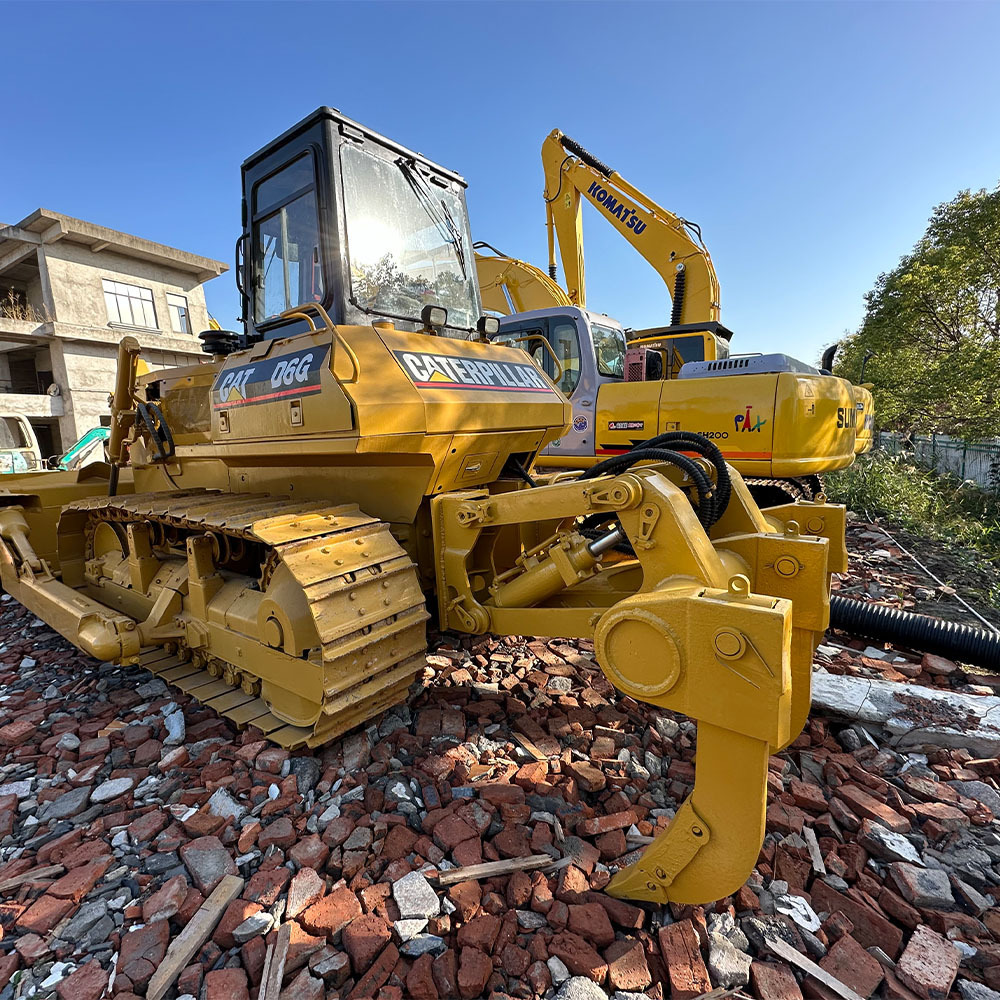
{"type": "Point", "coordinates": [920, 632]}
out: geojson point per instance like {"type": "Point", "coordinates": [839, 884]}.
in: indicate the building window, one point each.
{"type": "Point", "coordinates": [177, 306]}
{"type": "Point", "coordinates": [129, 305]}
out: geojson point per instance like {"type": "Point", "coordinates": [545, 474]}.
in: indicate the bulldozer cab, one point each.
{"type": "Point", "coordinates": [337, 215]}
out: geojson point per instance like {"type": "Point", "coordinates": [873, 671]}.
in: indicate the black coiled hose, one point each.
{"type": "Point", "coordinates": [678, 298]}
{"type": "Point", "coordinates": [903, 628]}
{"type": "Point", "coordinates": [572, 146]}
{"type": "Point", "coordinates": [705, 508]}
{"type": "Point", "coordinates": [689, 441]}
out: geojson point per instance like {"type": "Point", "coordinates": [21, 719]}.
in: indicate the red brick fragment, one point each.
{"type": "Point", "coordinates": [681, 954]}
{"type": "Point", "coordinates": [774, 982]}
{"type": "Point", "coordinates": [368, 985]}
{"type": "Point", "coordinates": [628, 969]}
{"type": "Point", "coordinates": [44, 914]}
{"type": "Point", "coordinates": [226, 984]}
{"type": "Point", "coordinates": [605, 824]}
{"type": "Point", "coordinates": [863, 804]}
{"type": "Point", "coordinates": [929, 964]}
{"type": "Point", "coordinates": [871, 929]}
{"type": "Point", "coordinates": [420, 983]}
{"type": "Point", "coordinates": [237, 911]}
{"type": "Point", "coordinates": [474, 973]}
{"type": "Point", "coordinates": [75, 884]}
{"type": "Point", "coordinates": [86, 983]}
{"type": "Point", "coordinates": [590, 921]}
{"type": "Point", "coordinates": [853, 966]}
{"type": "Point", "coordinates": [363, 939]}
{"type": "Point", "coordinates": [331, 914]}
{"type": "Point", "coordinates": [480, 932]}
{"type": "Point", "coordinates": [579, 957]}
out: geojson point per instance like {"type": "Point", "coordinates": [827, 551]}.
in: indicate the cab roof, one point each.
{"type": "Point", "coordinates": [348, 126]}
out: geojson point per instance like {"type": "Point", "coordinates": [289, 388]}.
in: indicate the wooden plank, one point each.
{"type": "Point", "coordinates": [196, 932]}
{"type": "Point", "coordinates": [270, 986]}
{"type": "Point", "coordinates": [530, 747]}
{"type": "Point", "coordinates": [35, 875]}
{"type": "Point", "coordinates": [789, 954]}
{"type": "Point", "coordinates": [266, 970]}
{"type": "Point", "coordinates": [490, 869]}
{"type": "Point", "coordinates": [809, 836]}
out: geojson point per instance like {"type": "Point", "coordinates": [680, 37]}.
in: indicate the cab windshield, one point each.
{"type": "Point", "coordinates": [609, 345]}
{"type": "Point", "coordinates": [407, 241]}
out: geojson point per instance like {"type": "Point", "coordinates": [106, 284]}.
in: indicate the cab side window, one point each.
{"type": "Point", "coordinates": [286, 240]}
{"type": "Point", "coordinates": [565, 341]}
{"type": "Point", "coordinates": [562, 337]}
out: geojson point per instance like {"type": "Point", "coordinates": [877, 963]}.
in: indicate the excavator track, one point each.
{"type": "Point", "coordinates": [362, 590]}
{"type": "Point", "coordinates": [773, 492]}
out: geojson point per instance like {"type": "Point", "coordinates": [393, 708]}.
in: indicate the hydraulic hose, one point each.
{"type": "Point", "coordinates": [903, 628]}
{"type": "Point", "coordinates": [690, 441]}
{"type": "Point", "coordinates": [677, 310]}
{"type": "Point", "coordinates": [572, 146]}
{"type": "Point", "coordinates": [619, 463]}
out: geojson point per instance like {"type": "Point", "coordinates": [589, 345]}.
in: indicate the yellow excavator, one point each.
{"type": "Point", "coordinates": [275, 523]}
{"type": "Point", "coordinates": [781, 422]}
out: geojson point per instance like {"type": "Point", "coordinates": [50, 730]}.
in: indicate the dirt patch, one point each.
{"type": "Point", "coordinates": [882, 570]}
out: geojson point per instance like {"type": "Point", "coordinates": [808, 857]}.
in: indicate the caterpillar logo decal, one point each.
{"type": "Point", "coordinates": [441, 371]}
{"type": "Point", "coordinates": [261, 381]}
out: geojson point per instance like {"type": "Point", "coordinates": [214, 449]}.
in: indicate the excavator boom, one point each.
{"type": "Point", "coordinates": [671, 245]}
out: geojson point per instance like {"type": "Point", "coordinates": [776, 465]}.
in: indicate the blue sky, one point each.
{"type": "Point", "coordinates": [810, 140]}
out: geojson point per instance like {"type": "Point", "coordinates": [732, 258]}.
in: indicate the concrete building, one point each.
{"type": "Point", "coordinates": [69, 291]}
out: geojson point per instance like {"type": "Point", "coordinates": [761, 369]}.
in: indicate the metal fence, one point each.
{"type": "Point", "coordinates": [978, 461]}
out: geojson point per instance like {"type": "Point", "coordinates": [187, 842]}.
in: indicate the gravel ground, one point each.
{"type": "Point", "coordinates": [123, 805]}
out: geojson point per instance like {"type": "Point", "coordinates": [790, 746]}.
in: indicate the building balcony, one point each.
{"type": "Point", "coordinates": [23, 331]}
{"type": "Point", "coordinates": [33, 405]}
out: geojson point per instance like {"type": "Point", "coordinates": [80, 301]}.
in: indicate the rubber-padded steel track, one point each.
{"type": "Point", "coordinates": [362, 589]}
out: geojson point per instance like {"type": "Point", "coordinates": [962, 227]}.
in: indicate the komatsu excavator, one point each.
{"type": "Point", "coordinates": [781, 422]}
{"type": "Point", "coordinates": [274, 523]}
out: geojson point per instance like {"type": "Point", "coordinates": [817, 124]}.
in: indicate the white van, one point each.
{"type": "Point", "coordinates": [18, 445]}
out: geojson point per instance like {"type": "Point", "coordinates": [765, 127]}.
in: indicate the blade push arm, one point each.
{"type": "Point", "coordinates": [665, 240]}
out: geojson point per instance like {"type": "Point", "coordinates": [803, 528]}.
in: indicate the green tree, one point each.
{"type": "Point", "coordinates": [933, 326]}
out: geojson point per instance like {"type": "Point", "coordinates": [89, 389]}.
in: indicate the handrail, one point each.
{"type": "Point", "coordinates": [300, 312]}
{"type": "Point", "coordinates": [548, 347]}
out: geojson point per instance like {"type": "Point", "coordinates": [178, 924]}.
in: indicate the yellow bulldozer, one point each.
{"type": "Point", "coordinates": [275, 524]}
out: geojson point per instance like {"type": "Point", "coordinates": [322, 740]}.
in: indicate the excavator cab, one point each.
{"type": "Point", "coordinates": [689, 341]}
{"type": "Point", "coordinates": [580, 351]}
{"type": "Point", "coordinates": [341, 217]}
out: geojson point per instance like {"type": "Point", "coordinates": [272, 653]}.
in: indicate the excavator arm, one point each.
{"type": "Point", "coordinates": [670, 244]}
{"type": "Point", "coordinates": [508, 285]}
